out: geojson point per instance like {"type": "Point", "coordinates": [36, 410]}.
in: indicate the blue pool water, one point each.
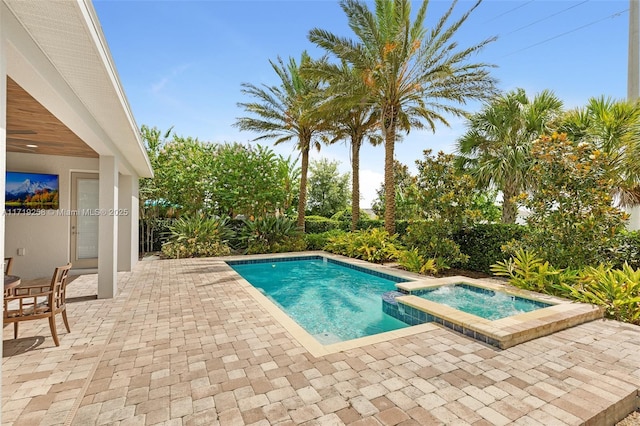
{"type": "Point", "coordinates": [488, 304]}
{"type": "Point", "coordinates": [331, 301]}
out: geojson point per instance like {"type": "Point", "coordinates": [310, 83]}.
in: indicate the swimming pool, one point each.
{"type": "Point", "coordinates": [485, 303]}
{"type": "Point", "coordinates": [333, 301]}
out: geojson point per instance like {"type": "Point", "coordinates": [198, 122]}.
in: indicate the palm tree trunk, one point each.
{"type": "Point", "coordinates": [509, 208]}
{"type": "Point", "coordinates": [304, 167]}
{"type": "Point", "coordinates": [389, 181]}
{"type": "Point", "coordinates": [356, 142]}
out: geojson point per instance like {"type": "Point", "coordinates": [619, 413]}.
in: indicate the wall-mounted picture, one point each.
{"type": "Point", "coordinates": [24, 191]}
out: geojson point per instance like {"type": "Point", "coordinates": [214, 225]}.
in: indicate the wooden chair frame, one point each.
{"type": "Point", "coordinates": [39, 301]}
{"type": "Point", "coordinates": [8, 263]}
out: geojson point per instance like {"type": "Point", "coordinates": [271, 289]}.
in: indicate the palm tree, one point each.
{"type": "Point", "coordinates": [413, 76]}
{"type": "Point", "coordinates": [613, 127]}
{"type": "Point", "coordinates": [496, 148]}
{"type": "Point", "coordinates": [286, 112]}
{"type": "Point", "coordinates": [358, 122]}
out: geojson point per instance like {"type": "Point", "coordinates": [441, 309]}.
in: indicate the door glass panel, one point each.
{"type": "Point", "coordinates": [87, 238]}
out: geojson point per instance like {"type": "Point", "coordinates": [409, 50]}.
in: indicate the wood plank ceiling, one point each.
{"type": "Point", "coordinates": [29, 123]}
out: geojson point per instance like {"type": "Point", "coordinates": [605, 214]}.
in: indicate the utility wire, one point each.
{"type": "Point", "coordinates": [615, 15]}
{"type": "Point", "coordinates": [508, 11]}
{"type": "Point", "coordinates": [545, 18]}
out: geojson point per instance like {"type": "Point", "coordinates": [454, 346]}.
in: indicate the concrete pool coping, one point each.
{"type": "Point", "coordinates": [501, 333]}
{"type": "Point", "coordinates": [505, 332]}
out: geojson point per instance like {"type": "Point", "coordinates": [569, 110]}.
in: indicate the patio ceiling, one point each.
{"type": "Point", "coordinates": [57, 53]}
{"type": "Point", "coordinates": [29, 123]}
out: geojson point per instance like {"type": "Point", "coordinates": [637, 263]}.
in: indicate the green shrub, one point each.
{"type": "Point", "coordinates": [367, 223]}
{"type": "Point", "coordinates": [373, 245]}
{"type": "Point", "coordinates": [319, 241]}
{"type": "Point", "coordinates": [320, 224]}
{"type": "Point", "coordinates": [401, 227]}
{"type": "Point", "coordinates": [483, 243]}
{"type": "Point", "coordinates": [434, 242]}
{"type": "Point", "coordinates": [616, 290]}
{"type": "Point", "coordinates": [197, 236]}
{"type": "Point", "coordinates": [626, 249]}
{"type": "Point", "coordinates": [272, 235]}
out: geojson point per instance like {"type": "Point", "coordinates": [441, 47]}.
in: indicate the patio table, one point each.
{"type": "Point", "coordinates": [10, 282]}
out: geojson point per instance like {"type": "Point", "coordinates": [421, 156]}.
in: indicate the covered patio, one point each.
{"type": "Point", "coordinates": [184, 342]}
{"type": "Point", "coordinates": [64, 114]}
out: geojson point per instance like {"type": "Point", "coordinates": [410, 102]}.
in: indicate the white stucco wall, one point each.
{"type": "Point", "coordinates": [45, 238]}
{"type": "Point", "coordinates": [634, 219]}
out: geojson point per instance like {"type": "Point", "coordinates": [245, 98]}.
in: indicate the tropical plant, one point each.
{"type": "Point", "coordinates": [528, 271]}
{"type": "Point", "coordinates": [616, 290]}
{"type": "Point", "coordinates": [251, 181]}
{"type": "Point", "coordinates": [405, 194]}
{"type": "Point", "coordinates": [355, 123]}
{"type": "Point", "coordinates": [612, 127]}
{"type": "Point", "coordinates": [373, 245]}
{"type": "Point", "coordinates": [445, 195]}
{"type": "Point", "coordinates": [197, 236]}
{"type": "Point", "coordinates": [328, 190]}
{"type": "Point", "coordinates": [271, 235]}
{"type": "Point", "coordinates": [412, 75]}
{"type": "Point", "coordinates": [413, 261]}
{"type": "Point", "coordinates": [150, 192]}
{"type": "Point", "coordinates": [183, 170]}
{"type": "Point", "coordinates": [496, 148]}
{"type": "Point", "coordinates": [572, 219]}
{"type": "Point", "coordinates": [286, 112]}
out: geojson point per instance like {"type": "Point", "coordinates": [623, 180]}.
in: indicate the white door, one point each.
{"type": "Point", "coordinates": [84, 220]}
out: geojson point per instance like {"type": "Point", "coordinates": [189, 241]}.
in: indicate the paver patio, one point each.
{"type": "Point", "coordinates": [184, 343]}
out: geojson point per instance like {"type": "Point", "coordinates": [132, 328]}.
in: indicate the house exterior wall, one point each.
{"type": "Point", "coordinates": [45, 239]}
{"type": "Point", "coordinates": [634, 219]}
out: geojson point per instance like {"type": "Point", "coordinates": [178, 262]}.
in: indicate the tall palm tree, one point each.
{"type": "Point", "coordinates": [496, 147]}
{"type": "Point", "coordinates": [286, 112]}
{"type": "Point", "coordinates": [357, 122]}
{"type": "Point", "coordinates": [413, 76]}
{"type": "Point", "coordinates": [613, 127]}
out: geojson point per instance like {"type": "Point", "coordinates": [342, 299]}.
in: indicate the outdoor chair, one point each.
{"type": "Point", "coordinates": [39, 301]}
{"type": "Point", "coordinates": [8, 263]}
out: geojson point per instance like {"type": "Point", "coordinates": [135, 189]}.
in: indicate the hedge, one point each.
{"type": "Point", "coordinates": [482, 243]}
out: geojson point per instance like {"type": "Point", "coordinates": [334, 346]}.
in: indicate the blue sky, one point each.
{"type": "Point", "coordinates": [182, 62]}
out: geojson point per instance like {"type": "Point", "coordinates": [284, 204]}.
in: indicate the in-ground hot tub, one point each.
{"type": "Point", "coordinates": [500, 315]}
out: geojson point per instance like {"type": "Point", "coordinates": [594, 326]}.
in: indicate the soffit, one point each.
{"type": "Point", "coordinates": [68, 33]}
{"type": "Point", "coordinates": [29, 123]}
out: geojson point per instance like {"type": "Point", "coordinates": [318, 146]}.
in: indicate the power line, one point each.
{"type": "Point", "coordinates": [615, 15]}
{"type": "Point", "coordinates": [508, 11]}
{"type": "Point", "coordinates": [545, 18]}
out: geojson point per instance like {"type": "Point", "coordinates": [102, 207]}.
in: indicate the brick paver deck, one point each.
{"type": "Point", "coordinates": [182, 343]}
